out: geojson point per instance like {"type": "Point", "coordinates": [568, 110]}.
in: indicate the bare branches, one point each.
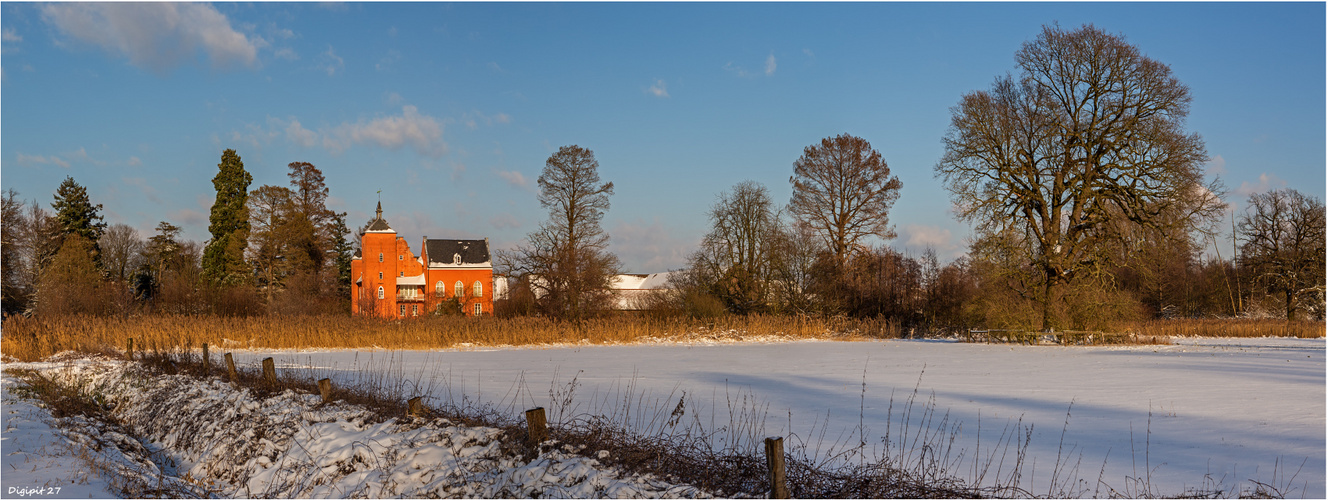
{"type": "Point", "coordinates": [843, 190]}
{"type": "Point", "coordinates": [1282, 235]}
{"type": "Point", "coordinates": [1087, 143]}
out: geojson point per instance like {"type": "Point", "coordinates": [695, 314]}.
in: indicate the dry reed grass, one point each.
{"type": "Point", "coordinates": [31, 339]}
{"type": "Point", "coordinates": [1228, 328]}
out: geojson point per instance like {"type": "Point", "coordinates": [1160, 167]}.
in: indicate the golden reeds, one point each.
{"type": "Point", "coordinates": [35, 338]}
{"type": "Point", "coordinates": [1228, 328]}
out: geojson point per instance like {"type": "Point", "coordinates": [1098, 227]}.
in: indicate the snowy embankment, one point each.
{"type": "Point", "coordinates": [1203, 414]}
{"type": "Point", "coordinates": [209, 439]}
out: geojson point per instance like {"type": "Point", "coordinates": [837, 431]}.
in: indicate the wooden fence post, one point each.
{"type": "Point", "coordinates": [207, 360]}
{"type": "Point", "coordinates": [537, 430]}
{"type": "Point", "coordinates": [131, 348]}
{"type": "Point", "coordinates": [230, 368]}
{"type": "Point", "coordinates": [269, 371]}
{"type": "Point", "coordinates": [413, 407]}
{"type": "Point", "coordinates": [325, 389]}
{"type": "Point", "coordinates": [774, 460]}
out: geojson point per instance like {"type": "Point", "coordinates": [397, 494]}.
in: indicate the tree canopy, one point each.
{"type": "Point", "coordinates": [1086, 142]}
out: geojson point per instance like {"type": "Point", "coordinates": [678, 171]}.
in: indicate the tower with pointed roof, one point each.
{"type": "Point", "coordinates": [390, 281]}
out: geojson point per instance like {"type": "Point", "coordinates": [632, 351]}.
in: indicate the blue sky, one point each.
{"type": "Point", "coordinates": [451, 109]}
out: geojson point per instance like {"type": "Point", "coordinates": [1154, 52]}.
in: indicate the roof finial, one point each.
{"type": "Point", "coordinates": [380, 210]}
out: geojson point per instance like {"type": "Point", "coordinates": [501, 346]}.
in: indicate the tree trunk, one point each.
{"type": "Point", "coordinates": [1290, 305]}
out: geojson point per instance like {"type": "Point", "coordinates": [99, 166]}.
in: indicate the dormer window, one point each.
{"type": "Point", "coordinates": [456, 259]}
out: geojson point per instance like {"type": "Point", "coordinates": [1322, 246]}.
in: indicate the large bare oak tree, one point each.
{"type": "Point", "coordinates": [1282, 235]}
{"type": "Point", "coordinates": [1087, 141]}
{"type": "Point", "coordinates": [843, 190]}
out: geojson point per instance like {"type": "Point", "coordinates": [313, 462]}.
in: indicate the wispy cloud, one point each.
{"type": "Point", "coordinates": [660, 89]}
{"type": "Point", "coordinates": [421, 132]}
{"type": "Point", "coordinates": [514, 178]}
{"type": "Point", "coordinates": [41, 160]}
{"type": "Point", "coordinates": [286, 53]}
{"type": "Point", "coordinates": [1216, 165]}
{"type": "Point", "coordinates": [388, 60]}
{"type": "Point", "coordinates": [297, 134]}
{"type": "Point", "coordinates": [155, 36]}
{"type": "Point", "coordinates": [648, 246]}
{"type": "Point", "coordinates": [10, 35]}
{"type": "Point", "coordinates": [917, 238]}
{"type": "Point", "coordinates": [331, 62]}
{"type": "Point", "coordinates": [768, 68]}
{"type": "Point", "coordinates": [770, 65]}
{"type": "Point", "coordinates": [476, 118]}
{"type": "Point", "coordinates": [1267, 182]}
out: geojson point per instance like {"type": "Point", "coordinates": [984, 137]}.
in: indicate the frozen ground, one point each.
{"type": "Point", "coordinates": [208, 439]}
{"type": "Point", "coordinates": [1203, 413]}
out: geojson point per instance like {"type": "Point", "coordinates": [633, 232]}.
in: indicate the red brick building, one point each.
{"type": "Point", "coordinates": [392, 282]}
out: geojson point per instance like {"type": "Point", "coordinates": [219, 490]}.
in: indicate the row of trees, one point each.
{"type": "Point", "coordinates": [276, 249]}
{"type": "Point", "coordinates": [1086, 193]}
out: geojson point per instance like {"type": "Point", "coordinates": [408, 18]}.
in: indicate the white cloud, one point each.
{"type": "Point", "coordinates": [659, 89]}
{"type": "Point", "coordinates": [647, 247]}
{"type": "Point", "coordinates": [286, 53]}
{"type": "Point", "coordinates": [134, 162]}
{"type": "Point", "coordinates": [23, 159]}
{"type": "Point", "coordinates": [1267, 182]}
{"type": "Point", "coordinates": [300, 135]}
{"type": "Point", "coordinates": [494, 66]}
{"type": "Point", "coordinates": [809, 53]}
{"type": "Point", "coordinates": [1216, 165]}
{"type": "Point", "coordinates": [504, 221]}
{"type": "Point", "coordinates": [770, 65]}
{"type": "Point", "coordinates": [918, 238]}
{"type": "Point", "coordinates": [9, 35]}
{"type": "Point", "coordinates": [514, 178]}
{"type": "Point", "coordinates": [421, 132]}
{"type": "Point", "coordinates": [155, 36]}
{"type": "Point", "coordinates": [332, 62]}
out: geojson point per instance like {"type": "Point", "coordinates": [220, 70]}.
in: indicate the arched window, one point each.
{"type": "Point", "coordinates": [458, 289]}
{"type": "Point", "coordinates": [479, 289]}
{"type": "Point", "coordinates": [439, 290]}
{"type": "Point", "coordinates": [380, 292]}
{"type": "Point", "coordinates": [456, 259]}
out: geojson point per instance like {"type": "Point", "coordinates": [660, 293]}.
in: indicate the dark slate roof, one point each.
{"type": "Point", "coordinates": [441, 252]}
{"type": "Point", "coordinates": [357, 254]}
{"type": "Point", "coordinates": [379, 225]}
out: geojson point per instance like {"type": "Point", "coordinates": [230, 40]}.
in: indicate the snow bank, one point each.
{"type": "Point", "coordinates": [230, 443]}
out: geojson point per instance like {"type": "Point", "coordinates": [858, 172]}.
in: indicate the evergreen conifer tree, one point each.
{"type": "Point", "coordinates": [223, 259]}
{"type": "Point", "coordinates": [75, 214]}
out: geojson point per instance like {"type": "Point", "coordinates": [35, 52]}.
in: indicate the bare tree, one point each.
{"type": "Point", "coordinates": [1087, 141]}
{"type": "Point", "coordinates": [567, 258]}
{"type": "Point", "coordinates": [735, 261]}
{"type": "Point", "coordinates": [1282, 235]}
{"type": "Point", "coordinates": [120, 247]}
{"type": "Point", "coordinates": [268, 209]}
{"type": "Point", "coordinates": [843, 190]}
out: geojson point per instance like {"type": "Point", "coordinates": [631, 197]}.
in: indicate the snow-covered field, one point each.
{"type": "Point", "coordinates": [1204, 413]}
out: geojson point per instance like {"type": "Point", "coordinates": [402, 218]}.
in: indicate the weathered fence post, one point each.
{"type": "Point", "coordinates": [413, 407]}
{"type": "Point", "coordinates": [230, 368]}
{"type": "Point", "coordinates": [131, 348]}
{"type": "Point", "coordinates": [774, 460]}
{"type": "Point", "coordinates": [269, 371]}
{"type": "Point", "coordinates": [325, 389]}
{"type": "Point", "coordinates": [207, 360]}
{"type": "Point", "coordinates": [537, 430]}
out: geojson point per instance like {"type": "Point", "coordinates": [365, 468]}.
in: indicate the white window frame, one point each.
{"type": "Point", "coordinates": [479, 309]}
{"type": "Point", "coordinates": [380, 256]}
{"type": "Point", "coordinates": [478, 288]}
{"type": "Point", "coordinates": [458, 289]}
{"type": "Point", "coordinates": [439, 289]}
{"type": "Point", "coordinates": [380, 293]}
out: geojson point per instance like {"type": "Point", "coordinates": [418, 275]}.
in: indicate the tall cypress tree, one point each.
{"type": "Point", "coordinates": [223, 259]}
{"type": "Point", "coordinates": [75, 214]}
